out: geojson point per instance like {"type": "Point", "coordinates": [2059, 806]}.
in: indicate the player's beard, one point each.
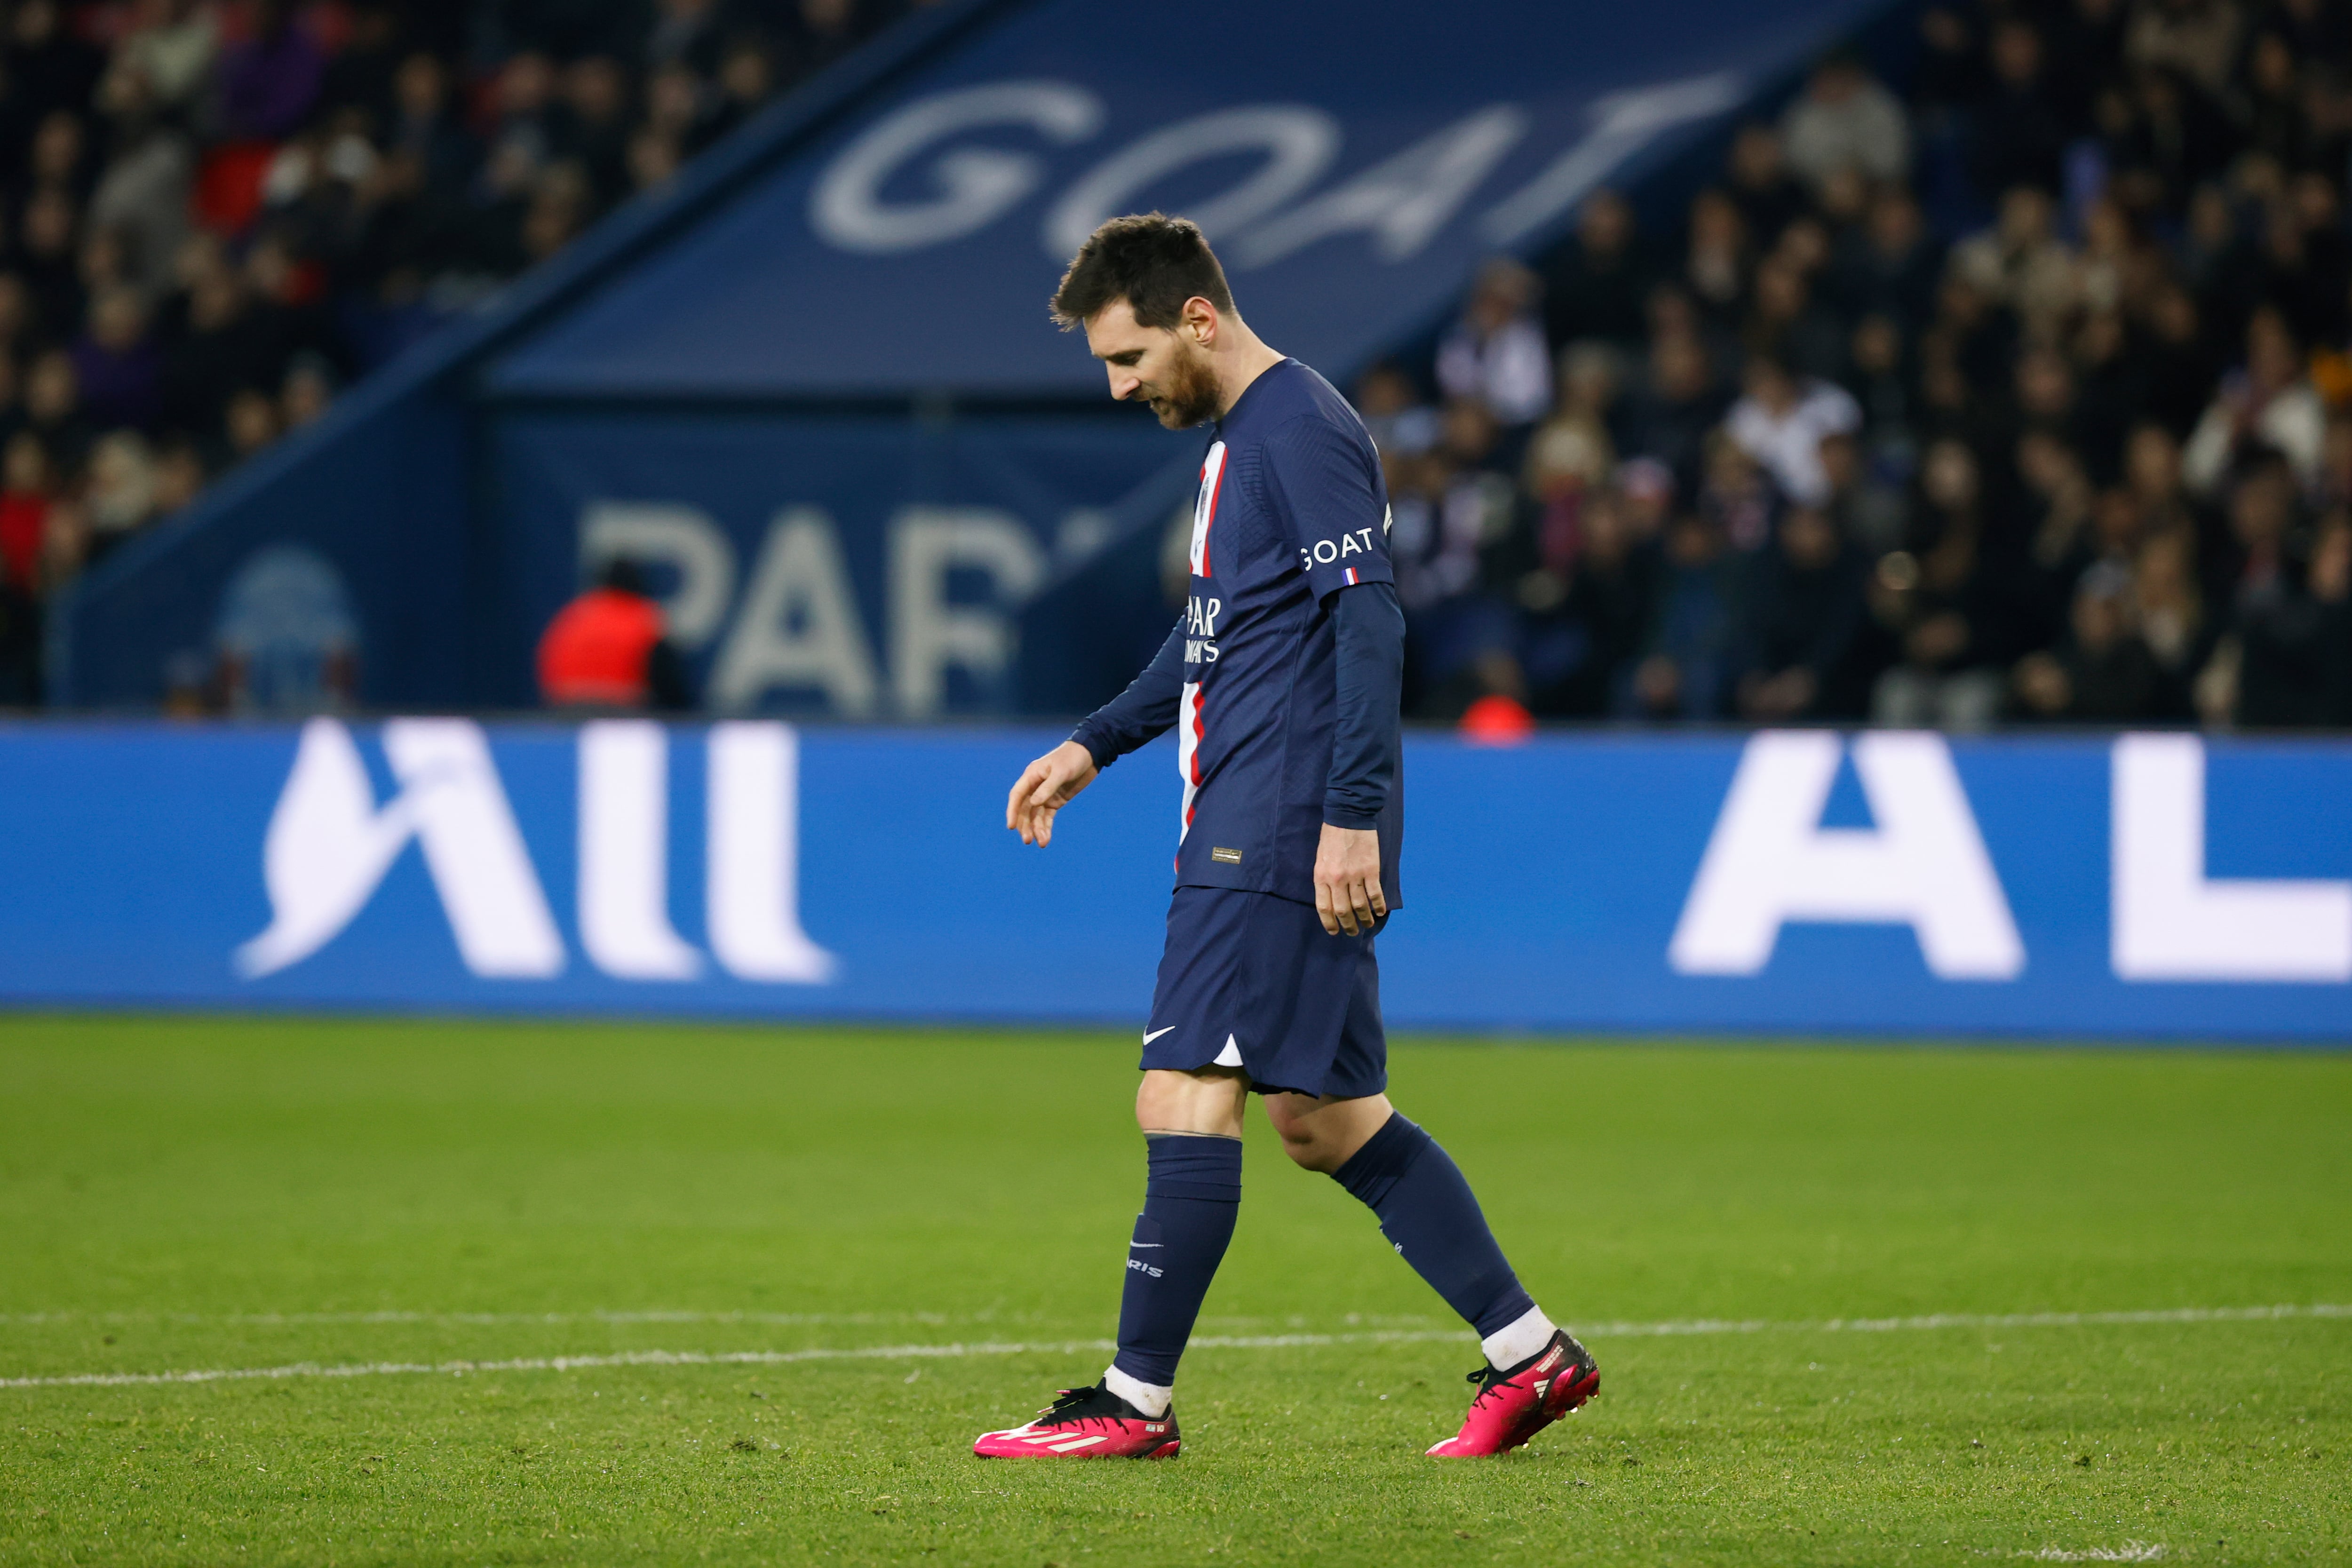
{"type": "Point", "coordinates": [1193, 391]}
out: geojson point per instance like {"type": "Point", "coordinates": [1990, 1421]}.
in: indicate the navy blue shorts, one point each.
{"type": "Point", "coordinates": [1253, 981]}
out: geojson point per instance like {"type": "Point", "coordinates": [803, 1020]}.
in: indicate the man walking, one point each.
{"type": "Point", "coordinates": [1282, 678]}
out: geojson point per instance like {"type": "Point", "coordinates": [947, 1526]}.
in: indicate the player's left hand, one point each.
{"type": "Point", "coordinates": [1347, 895]}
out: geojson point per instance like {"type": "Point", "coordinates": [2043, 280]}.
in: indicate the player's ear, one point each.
{"type": "Point", "coordinates": [1198, 321]}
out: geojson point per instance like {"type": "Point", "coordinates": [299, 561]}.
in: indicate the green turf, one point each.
{"type": "Point", "coordinates": [179, 1195]}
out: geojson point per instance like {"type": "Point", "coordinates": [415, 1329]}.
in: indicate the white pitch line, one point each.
{"type": "Point", "coordinates": [1205, 1341]}
{"type": "Point", "coordinates": [477, 1320]}
{"type": "Point", "coordinates": [1976, 1320]}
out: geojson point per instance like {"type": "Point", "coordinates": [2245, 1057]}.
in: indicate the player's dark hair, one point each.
{"type": "Point", "coordinates": [1153, 261]}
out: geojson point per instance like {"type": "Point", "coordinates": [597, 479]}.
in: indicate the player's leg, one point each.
{"type": "Point", "coordinates": [1535, 1372]}
{"type": "Point", "coordinates": [1189, 1107]}
{"type": "Point", "coordinates": [1425, 1207]}
{"type": "Point", "coordinates": [1192, 1123]}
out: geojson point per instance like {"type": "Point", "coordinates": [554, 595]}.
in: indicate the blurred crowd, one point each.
{"type": "Point", "coordinates": [2025, 398]}
{"type": "Point", "coordinates": [215, 213]}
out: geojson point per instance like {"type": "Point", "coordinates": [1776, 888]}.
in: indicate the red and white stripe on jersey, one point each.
{"type": "Point", "coordinates": [1204, 507]}
{"type": "Point", "coordinates": [1191, 729]}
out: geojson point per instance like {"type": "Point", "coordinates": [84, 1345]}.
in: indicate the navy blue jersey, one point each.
{"type": "Point", "coordinates": [1292, 509]}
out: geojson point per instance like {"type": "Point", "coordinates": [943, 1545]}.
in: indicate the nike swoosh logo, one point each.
{"type": "Point", "coordinates": [1156, 1033]}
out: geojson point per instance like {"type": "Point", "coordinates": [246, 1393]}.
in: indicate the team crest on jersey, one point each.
{"type": "Point", "coordinates": [1204, 507]}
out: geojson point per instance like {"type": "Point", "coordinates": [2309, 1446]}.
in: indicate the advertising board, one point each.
{"type": "Point", "coordinates": [2139, 886]}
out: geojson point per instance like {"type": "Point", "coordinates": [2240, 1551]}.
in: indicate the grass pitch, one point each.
{"type": "Point", "coordinates": [347, 1199]}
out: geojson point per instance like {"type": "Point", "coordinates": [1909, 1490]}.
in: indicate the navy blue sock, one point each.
{"type": "Point", "coordinates": [1189, 1203]}
{"type": "Point", "coordinates": [1428, 1212]}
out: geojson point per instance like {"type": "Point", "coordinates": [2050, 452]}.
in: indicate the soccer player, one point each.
{"type": "Point", "coordinates": [1282, 678]}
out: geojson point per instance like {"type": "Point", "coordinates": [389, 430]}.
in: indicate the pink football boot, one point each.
{"type": "Point", "coordinates": [1513, 1405]}
{"type": "Point", "coordinates": [1085, 1424]}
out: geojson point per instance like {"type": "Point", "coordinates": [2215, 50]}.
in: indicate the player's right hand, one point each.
{"type": "Point", "coordinates": [1047, 785]}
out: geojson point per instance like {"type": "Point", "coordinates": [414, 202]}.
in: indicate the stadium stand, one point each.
{"type": "Point", "coordinates": [216, 214]}
{"type": "Point", "coordinates": [2027, 400]}
{"type": "Point", "coordinates": [2011, 387]}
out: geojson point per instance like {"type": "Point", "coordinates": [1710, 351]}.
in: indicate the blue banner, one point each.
{"type": "Point", "coordinates": [1351, 174]}
{"type": "Point", "coordinates": [2158, 886]}
{"type": "Point", "coordinates": [842, 567]}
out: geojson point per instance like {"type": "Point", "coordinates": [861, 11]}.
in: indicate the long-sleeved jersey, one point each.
{"type": "Point", "coordinates": [1282, 684]}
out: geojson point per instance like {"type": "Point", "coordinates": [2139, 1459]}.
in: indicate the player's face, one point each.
{"type": "Point", "coordinates": [1166, 369]}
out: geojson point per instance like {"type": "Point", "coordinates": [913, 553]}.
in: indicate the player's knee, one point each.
{"type": "Point", "coordinates": [1156, 1106]}
{"type": "Point", "coordinates": [1308, 1145]}
{"type": "Point", "coordinates": [1310, 1152]}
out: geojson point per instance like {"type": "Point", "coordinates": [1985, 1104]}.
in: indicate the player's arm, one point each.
{"type": "Point", "coordinates": [1143, 712]}
{"type": "Point", "coordinates": [1370, 632]}
{"type": "Point", "coordinates": [1324, 479]}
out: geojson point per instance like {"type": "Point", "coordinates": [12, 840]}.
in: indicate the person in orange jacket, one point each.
{"type": "Point", "coordinates": [609, 648]}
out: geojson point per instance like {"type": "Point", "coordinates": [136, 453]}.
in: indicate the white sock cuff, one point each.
{"type": "Point", "coordinates": [1520, 1338]}
{"type": "Point", "coordinates": [1148, 1397]}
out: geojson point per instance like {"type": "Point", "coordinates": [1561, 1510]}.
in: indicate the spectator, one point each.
{"type": "Point", "coordinates": [1599, 282]}
{"type": "Point", "coordinates": [2197, 40]}
{"type": "Point", "coordinates": [179, 475]}
{"type": "Point", "coordinates": [1586, 630]}
{"type": "Point", "coordinates": [24, 511]}
{"type": "Point", "coordinates": [1445, 519]}
{"type": "Point", "coordinates": [595, 127]}
{"type": "Point", "coordinates": [48, 231]}
{"type": "Point", "coordinates": [1802, 616]}
{"type": "Point", "coordinates": [653, 157]}
{"type": "Point", "coordinates": [2269, 402]}
{"type": "Point", "coordinates": [1846, 120]}
{"type": "Point", "coordinates": [1785, 324]}
{"type": "Point", "coordinates": [746, 78]}
{"type": "Point", "coordinates": [47, 64]}
{"type": "Point", "coordinates": [2272, 667]}
{"type": "Point", "coordinates": [2102, 673]}
{"type": "Point", "coordinates": [687, 33]}
{"type": "Point", "coordinates": [1760, 185]}
{"type": "Point", "coordinates": [1677, 404]}
{"type": "Point", "coordinates": [2021, 265]}
{"type": "Point", "coordinates": [228, 342]}
{"type": "Point", "coordinates": [1494, 354]}
{"type": "Point", "coordinates": [142, 195]}
{"type": "Point", "coordinates": [360, 76]}
{"type": "Point", "coordinates": [1865, 509]}
{"type": "Point", "coordinates": [1780, 421]}
{"type": "Point", "coordinates": [2021, 135]}
{"type": "Point", "coordinates": [2162, 138]}
{"type": "Point", "coordinates": [121, 494]}
{"type": "Point", "coordinates": [1735, 495]}
{"type": "Point", "coordinates": [1951, 77]}
{"type": "Point", "coordinates": [269, 80]}
{"type": "Point", "coordinates": [424, 130]}
{"type": "Point", "coordinates": [1944, 606]}
{"type": "Point", "coordinates": [309, 387]}
{"type": "Point", "coordinates": [1687, 664]}
{"type": "Point", "coordinates": [116, 365]}
{"type": "Point", "coordinates": [827, 32]}
{"type": "Point", "coordinates": [163, 61]}
{"type": "Point", "coordinates": [2331, 591]}
{"type": "Point", "coordinates": [1394, 412]}
{"type": "Point", "coordinates": [249, 423]}
{"type": "Point", "coordinates": [1568, 463]}
{"type": "Point", "coordinates": [2170, 612]}
{"type": "Point", "coordinates": [1715, 266]}
{"type": "Point", "coordinates": [1889, 269]}
{"type": "Point", "coordinates": [53, 409]}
